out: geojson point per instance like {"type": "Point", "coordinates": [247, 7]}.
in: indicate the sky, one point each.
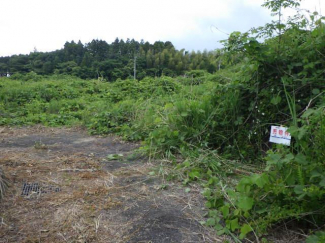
{"type": "Point", "coordinates": [190, 24]}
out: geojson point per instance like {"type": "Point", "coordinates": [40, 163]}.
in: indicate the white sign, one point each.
{"type": "Point", "coordinates": [280, 135]}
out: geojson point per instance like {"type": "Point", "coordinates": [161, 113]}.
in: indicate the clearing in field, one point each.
{"type": "Point", "coordinates": [67, 186]}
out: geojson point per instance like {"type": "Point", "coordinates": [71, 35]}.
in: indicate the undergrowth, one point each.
{"type": "Point", "coordinates": [214, 128]}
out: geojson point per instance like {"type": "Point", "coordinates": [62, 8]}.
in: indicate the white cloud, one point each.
{"type": "Point", "coordinates": [47, 25]}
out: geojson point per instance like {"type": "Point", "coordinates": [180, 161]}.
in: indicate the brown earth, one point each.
{"type": "Point", "coordinates": [84, 196]}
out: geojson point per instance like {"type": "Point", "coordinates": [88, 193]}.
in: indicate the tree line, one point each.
{"type": "Point", "coordinates": [111, 61]}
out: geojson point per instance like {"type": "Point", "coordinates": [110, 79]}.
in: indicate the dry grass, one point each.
{"type": "Point", "coordinates": [94, 204]}
{"type": "Point", "coordinates": [61, 215]}
{"type": "Point", "coordinates": [3, 183]}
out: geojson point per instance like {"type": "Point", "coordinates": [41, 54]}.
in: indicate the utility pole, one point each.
{"type": "Point", "coordinates": [135, 67]}
{"type": "Point", "coordinates": [135, 53]}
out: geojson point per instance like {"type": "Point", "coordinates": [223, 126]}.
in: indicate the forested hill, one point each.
{"type": "Point", "coordinates": [111, 61]}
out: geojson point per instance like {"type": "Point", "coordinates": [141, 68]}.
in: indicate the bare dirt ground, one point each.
{"type": "Point", "coordinates": [64, 188]}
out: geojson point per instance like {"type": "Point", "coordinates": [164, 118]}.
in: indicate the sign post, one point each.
{"type": "Point", "coordinates": [280, 135]}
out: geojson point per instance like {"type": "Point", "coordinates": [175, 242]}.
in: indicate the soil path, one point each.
{"type": "Point", "coordinates": [67, 186]}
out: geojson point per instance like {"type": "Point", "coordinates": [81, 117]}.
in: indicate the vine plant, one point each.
{"type": "Point", "coordinates": [290, 74]}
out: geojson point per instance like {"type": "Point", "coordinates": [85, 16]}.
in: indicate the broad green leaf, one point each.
{"type": "Point", "coordinates": [318, 237]}
{"type": "Point", "coordinates": [273, 159]}
{"type": "Point", "coordinates": [221, 232]}
{"type": "Point", "coordinates": [308, 113]}
{"type": "Point", "coordinates": [194, 174]}
{"type": "Point", "coordinates": [262, 180]}
{"type": "Point", "coordinates": [207, 192]}
{"type": "Point", "coordinates": [276, 100]}
{"type": "Point", "coordinates": [237, 212]}
{"type": "Point", "coordinates": [234, 224]}
{"type": "Point", "coordinates": [225, 211]}
{"type": "Point", "coordinates": [293, 130]}
{"type": "Point", "coordinates": [157, 120]}
{"type": "Point", "coordinates": [288, 158]}
{"type": "Point", "coordinates": [210, 181]}
{"type": "Point", "coordinates": [261, 211]}
{"type": "Point", "coordinates": [244, 230]}
{"type": "Point", "coordinates": [211, 222]}
{"type": "Point", "coordinates": [322, 182]}
{"type": "Point", "coordinates": [208, 204]}
{"type": "Point", "coordinates": [299, 189]}
{"type": "Point", "coordinates": [246, 214]}
{"type": "Point", "coordinates": [218, 227]}
{"type": "Point", "coordinates": [259, 179]}
{"type": "Point", "coordinates": [302, 132]}
{"type": "Point", "coordinates": [245, 203]}
{"type": "Point", "coordinates": [169, 106]}
{"type": "Point", "coordinates": [244, 185]}
{"type": "Point", "coordinates": [231, 193]}
{"type": "Point", "coordinates": [175, 133]}
{"type": "Point", "coordinates": [315, 174]}
{"type": "Point", "coordinates": [301, 159]}
{"type": "Point", "coordinates": [214, 214]}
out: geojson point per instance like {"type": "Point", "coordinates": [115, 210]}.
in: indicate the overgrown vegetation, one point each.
{"type": "Point", "coordinates": [215, 127]}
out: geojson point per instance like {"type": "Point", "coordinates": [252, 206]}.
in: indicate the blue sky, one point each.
{"type": "Point", "coordinates": [191, 24]}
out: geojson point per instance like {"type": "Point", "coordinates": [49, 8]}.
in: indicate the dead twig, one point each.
{"type": "Point", "coordinates": [77, 170]}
